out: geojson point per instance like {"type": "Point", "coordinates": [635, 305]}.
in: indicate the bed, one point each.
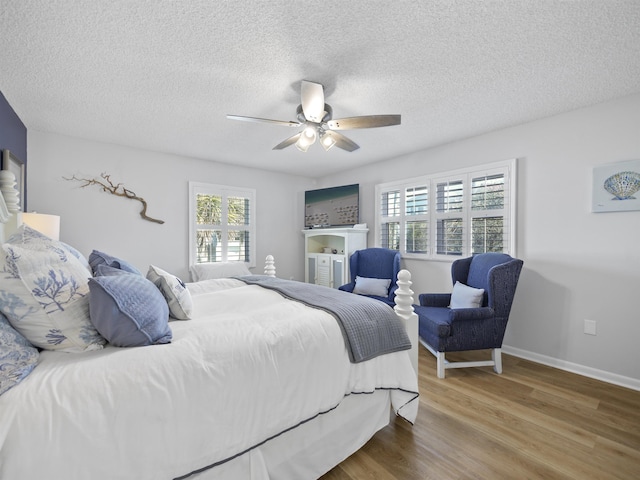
{"type": "Point", "coordinates": [253, 385]}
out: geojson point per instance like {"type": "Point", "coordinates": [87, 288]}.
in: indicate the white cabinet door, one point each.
{"type": "Point", "coordinates": [311, 269]}
{"type": "Point", "coordinates": [338, 271]}
{"type": "Point", "coordinates": [324, 270]}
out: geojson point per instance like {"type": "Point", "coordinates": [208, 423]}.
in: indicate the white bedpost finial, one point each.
{"type": "Point", "coordinates": [404, 294]}
{"type": "Point", "coordinates": [10, 211]}
{"type": "Point", "coordinates": [9, 192]}
{"type": "Point", "coordinates": [270, 266]}
{"type": "Point", "coordinates": [404, 310]}
{"type": "Point", "coordinates": [5, 215]}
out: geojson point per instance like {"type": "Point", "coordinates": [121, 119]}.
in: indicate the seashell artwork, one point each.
{"type": "Point", "coordinates": [623, 185]}
{"type": "Point", "coordinates": [616, 187]}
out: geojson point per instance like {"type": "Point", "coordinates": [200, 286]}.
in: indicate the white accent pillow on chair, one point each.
{"type": "Point", "coordinates": [372, 286]}
{"type": "Point", "coordinates": [464, 296]}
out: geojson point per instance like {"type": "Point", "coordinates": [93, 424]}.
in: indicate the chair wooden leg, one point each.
{"type": "Point", "coordinates": [441, 362]}
{"type": "Point", "coordinates": [496, 355]}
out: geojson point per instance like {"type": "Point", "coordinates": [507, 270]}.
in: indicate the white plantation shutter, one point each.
{"type": "Point", "coordinates": [454, 214]}
{"type": "Point", "coordinates": [417, 219]}
{"type": "Point", "coordinates": [239, 228]}
{"type": "Point", "coordinates": [489, 229]}
{"type": "Point", "coordinates": [389, 231]}
{"type": "Point", "coordinates": [222, 224]}
{"type": "Point", "coordinates": [448, 213]}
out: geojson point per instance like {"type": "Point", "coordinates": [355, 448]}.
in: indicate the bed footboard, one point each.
{"type": "Point", "coordinates": [404, 310]}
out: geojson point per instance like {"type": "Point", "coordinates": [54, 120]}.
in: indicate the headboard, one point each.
{"type": "Point", "coordinates": [10, 214]}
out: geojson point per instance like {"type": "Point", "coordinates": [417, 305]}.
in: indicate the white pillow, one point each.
{"type": "Point", "coordinates": [44, 293]}
{"type": "Point", "coordinates": [207, 271]}
{"type": "Point", "coordinates": [464, 296]}
{"type": "Point", "coordinates": [372, 286]}
{"type": "Point", "coordinates": [174, 291]}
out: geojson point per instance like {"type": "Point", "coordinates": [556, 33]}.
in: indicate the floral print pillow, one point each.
{"type": "Point", "coordinates": [17, 356]}
{"type": "Point", "coordinates": [44, 293]}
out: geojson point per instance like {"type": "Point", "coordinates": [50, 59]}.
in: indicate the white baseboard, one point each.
{"type": "Point", "coordinates": [614, 378]}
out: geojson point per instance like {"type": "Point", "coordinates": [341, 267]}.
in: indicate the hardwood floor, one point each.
{"type": "Point", "coordinates": [530, 422]}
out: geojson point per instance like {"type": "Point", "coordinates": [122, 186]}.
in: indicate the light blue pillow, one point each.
{"type": "Point", "coordinates": [129, 310]}
{"type": "Point", "coordinates": [464, 296]}
{"type": "Point", "coordinates": [17, 356]}
{"type": "Point", "coordinates": [372, 286]}
{"type": "Point", "coordinates": [100, 258]}
{"type": "Point", "coordinates": [104, 270]}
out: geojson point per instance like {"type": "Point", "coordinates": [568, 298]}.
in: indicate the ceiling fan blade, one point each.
{"type": "Point", "coordinates": [368, 121]}
{"type": "Point", "coordinates": [264, 120]}
{"type": "Point", "coordinates": [343, 142]}
{"type": "Point", "coordinates": [312, 99]}
{"type": "Point", "coordinates": [289, 141]}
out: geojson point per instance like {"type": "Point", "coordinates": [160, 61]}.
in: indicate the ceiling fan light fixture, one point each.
{"type": "Point", "coordinates": [308, 138]}
{"type": "Point", "coordinates": [327, 141]}
{"type": "Point", "coordinates": [302, 145]}
{"type": "Point", "coordinates": [316, 120]}
{"type": "Point", "coordinates": [310, 134]}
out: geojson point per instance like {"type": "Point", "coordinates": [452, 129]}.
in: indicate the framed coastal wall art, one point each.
{"type": "Point", "coordinates": [16, 166]}
{"type": "Point", "coordinates": [616, 187]}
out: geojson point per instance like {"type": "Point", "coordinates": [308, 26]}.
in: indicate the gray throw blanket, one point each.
{"type": "Point", "coordinates": [369, 327]}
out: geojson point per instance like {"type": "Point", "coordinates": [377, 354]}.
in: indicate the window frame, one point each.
{"type": "Point", "coordinates": [433, 216]}
{"type": "Point", "coordinates": [223, 191]}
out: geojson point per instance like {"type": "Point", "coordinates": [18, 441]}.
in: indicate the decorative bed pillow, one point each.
{"type": "Point", "coordinates": [104, 270]}
{"type": "Point", "coordinates": [464, 296]}
{"type": "Point", "coordinates": [17, 356]}
{"type": "Point", "coordinates": [27, 235]}
{"type": "Point", "coordinates": [129, 311]}
{"type": "Point", "coordinates": [207, 271]}
{"type": "Point", "coordinates": [83, 260]}
{"type": "Point", "coordinates": [44, 293]}
{"type": "Point", "coordinates": [174, 291]}
{"type": "Point", "coordinates": [100, 258]}
{"type": "Point", "coordinates": [372, 286]}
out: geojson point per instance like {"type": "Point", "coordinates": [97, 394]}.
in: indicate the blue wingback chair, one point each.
{"type": "Point", "coordinates": [375, 263]}
{"type": "Point", "coordinates": [443, 329]}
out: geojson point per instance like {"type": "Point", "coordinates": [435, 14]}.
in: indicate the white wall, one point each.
{"type": "Point", "coordinates": [92, 219]}
{"type": "Point", "coordinates": [577, 265]}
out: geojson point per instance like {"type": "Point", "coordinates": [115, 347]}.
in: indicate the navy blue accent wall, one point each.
{"type": "Point", "coordinates": [13, 134]}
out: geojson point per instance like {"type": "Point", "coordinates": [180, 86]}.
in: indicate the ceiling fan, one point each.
{"type": "Point", "coordinates": [315, 118]}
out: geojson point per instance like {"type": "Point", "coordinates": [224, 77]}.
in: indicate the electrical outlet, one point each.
{"type": "Point", "coordinates": [590, 327]}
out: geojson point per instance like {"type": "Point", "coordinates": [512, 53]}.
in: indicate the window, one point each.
{"type": "Point", "coordinates": [449, 215]}
{"type": "Point", "coordinates": [390, 219]}
{"type": "Point", "coordinates": [416, 219]}
{"type": "Point", "coordinates": [222, 224]}
{"type": "Point", "coordinates": [449, 220]}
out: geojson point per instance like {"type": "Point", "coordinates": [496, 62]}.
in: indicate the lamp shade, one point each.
{"type": "Point", "coordinates": [48, 225]}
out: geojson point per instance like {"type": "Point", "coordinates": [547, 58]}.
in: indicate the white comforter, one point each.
{"type": "Point", "coordinates": [250, 365]}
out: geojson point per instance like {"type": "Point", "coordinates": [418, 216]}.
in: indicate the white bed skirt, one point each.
{"type": "Point", "coordinates": [312, 449]}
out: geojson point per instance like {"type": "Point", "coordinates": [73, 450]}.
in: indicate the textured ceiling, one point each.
{"type": "Point", "coordinates": [161, 75]}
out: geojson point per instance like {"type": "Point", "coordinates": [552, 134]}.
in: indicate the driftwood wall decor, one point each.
{"type": "Point", "coordinates": [115, 189]}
